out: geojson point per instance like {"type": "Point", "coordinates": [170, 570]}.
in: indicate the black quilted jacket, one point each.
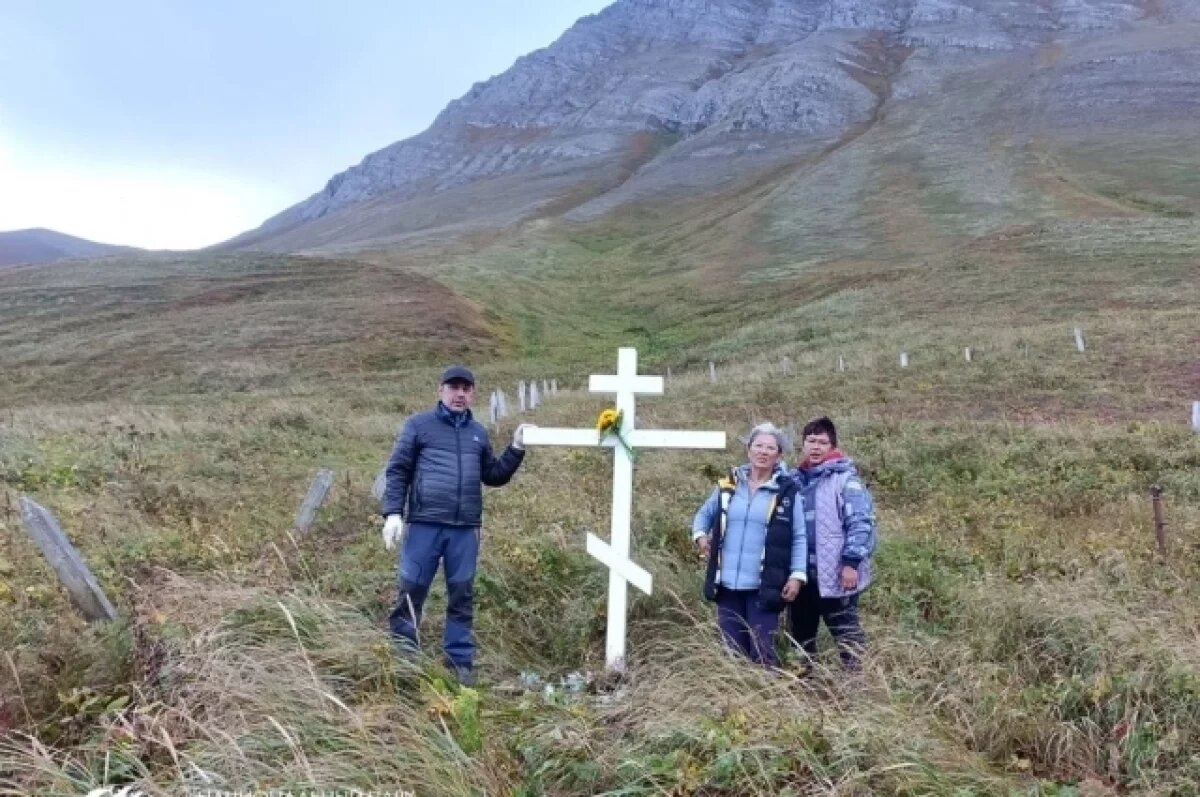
{"type": "Point", "coordinates": [437, 468]}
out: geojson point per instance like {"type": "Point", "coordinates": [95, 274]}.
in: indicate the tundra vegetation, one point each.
{"type": "Point", "coordinates": [951, 175]}
{"type": "Point", "coordinates": [1026, 638]}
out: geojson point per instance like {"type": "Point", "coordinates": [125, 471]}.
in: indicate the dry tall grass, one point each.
{"type": "Point", "coordinates": [1025, 637]}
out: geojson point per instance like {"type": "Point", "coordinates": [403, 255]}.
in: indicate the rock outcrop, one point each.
{"type": "Point", "coordinates": [659, 95]}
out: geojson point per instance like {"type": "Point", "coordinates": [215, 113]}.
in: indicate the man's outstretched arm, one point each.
{"type": "Point", "coordinates": [496, 471]}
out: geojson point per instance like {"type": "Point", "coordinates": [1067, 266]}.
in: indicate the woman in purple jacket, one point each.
{"type": "Point", "coordinates": [840, 525]}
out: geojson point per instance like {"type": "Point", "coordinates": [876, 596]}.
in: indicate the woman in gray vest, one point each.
{"type": "Point", "coordinates": [751, 532]}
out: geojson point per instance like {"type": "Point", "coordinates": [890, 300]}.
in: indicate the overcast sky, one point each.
{"type": "Point", "coordinates": [180, 123]}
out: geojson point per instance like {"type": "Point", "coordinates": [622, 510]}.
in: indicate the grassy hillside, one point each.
{"type": "Point", "coordinates": [47, 246]}
{"type": "Point", "coordinates": [1025, 637]}
{"type": "Point", "coordinates": [163, 327]}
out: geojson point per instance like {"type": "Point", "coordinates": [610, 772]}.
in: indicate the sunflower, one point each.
{"type": "Point", "coordinates": [608, 422]}
{"type": "Point", "coordinates": [608, 419]}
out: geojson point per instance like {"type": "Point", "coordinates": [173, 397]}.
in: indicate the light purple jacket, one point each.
{"type": "Point", "coordinates": [842, 530]}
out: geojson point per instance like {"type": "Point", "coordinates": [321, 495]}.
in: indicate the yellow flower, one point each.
{"type": "Point", "coordinates": [609, 422]}
{"type": "Point", "coordinates": [608, 419]}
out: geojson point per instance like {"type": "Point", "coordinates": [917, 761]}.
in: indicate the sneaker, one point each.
{"type": "Point", "coordinates": [852, 660]}
{"type": "Point", "coordinates": [464, 675]}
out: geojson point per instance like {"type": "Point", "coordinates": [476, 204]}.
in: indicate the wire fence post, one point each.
{"type": "Point", "coordinates": [1160, 523]}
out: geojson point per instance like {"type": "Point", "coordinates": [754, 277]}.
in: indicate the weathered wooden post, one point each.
{"type": "Point", "coordinates": [1160, 523]}
{"type": "Point", "coordinates": [322, 483]}
{"type": "Point", "coordinates": [1079, 344]}
{"type": "Point", "coordinates": [85, 591]}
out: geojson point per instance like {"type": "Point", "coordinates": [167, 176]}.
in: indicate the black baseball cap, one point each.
{"type": "Point", "coordinates": [458, 372]}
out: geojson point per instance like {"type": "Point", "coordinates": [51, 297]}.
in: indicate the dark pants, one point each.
{"type": "Point", "coordinates": [841, 618]}
{"type": "Point", "coordinates": [746, 627]}
{"type": "Point", "coordinates": [458, 550]}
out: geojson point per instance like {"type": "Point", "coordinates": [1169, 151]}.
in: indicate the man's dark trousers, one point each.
{"type": "Point", "coordinates": [841, 618]}
{"type": "Point", "coordinates": [457, 548]}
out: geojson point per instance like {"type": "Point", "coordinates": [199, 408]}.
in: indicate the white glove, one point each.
{"type": "Point", "coordinates": [519, 435]}
{"type": "Point", "coordinates": [393, 531]}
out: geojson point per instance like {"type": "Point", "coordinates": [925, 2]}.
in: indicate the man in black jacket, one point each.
{"type": "Point", "coordinates": [434, 488]}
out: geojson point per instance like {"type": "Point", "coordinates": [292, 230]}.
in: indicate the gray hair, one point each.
{"type": "Point", "coordinates": [771, 429]}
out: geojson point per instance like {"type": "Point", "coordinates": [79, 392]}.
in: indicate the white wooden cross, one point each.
{"type": "Point", "coordinates": [615, 555]}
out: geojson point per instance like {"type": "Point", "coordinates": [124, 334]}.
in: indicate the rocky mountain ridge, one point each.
{"type": "Point", "coordinates": [658, 95]}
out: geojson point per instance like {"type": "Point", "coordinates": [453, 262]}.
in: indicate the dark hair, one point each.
{"type": "Point", "coordinates": [823, 426]}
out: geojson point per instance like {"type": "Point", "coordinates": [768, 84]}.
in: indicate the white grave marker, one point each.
{"type": "Point", "coordinates": [1079, 344]}
{"type": "Point", "coordinates": [521, 395]}
{"type": "Point", "coordinates": [494, 407]}
{"type": "Point", "coordinates": [626, 384]}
